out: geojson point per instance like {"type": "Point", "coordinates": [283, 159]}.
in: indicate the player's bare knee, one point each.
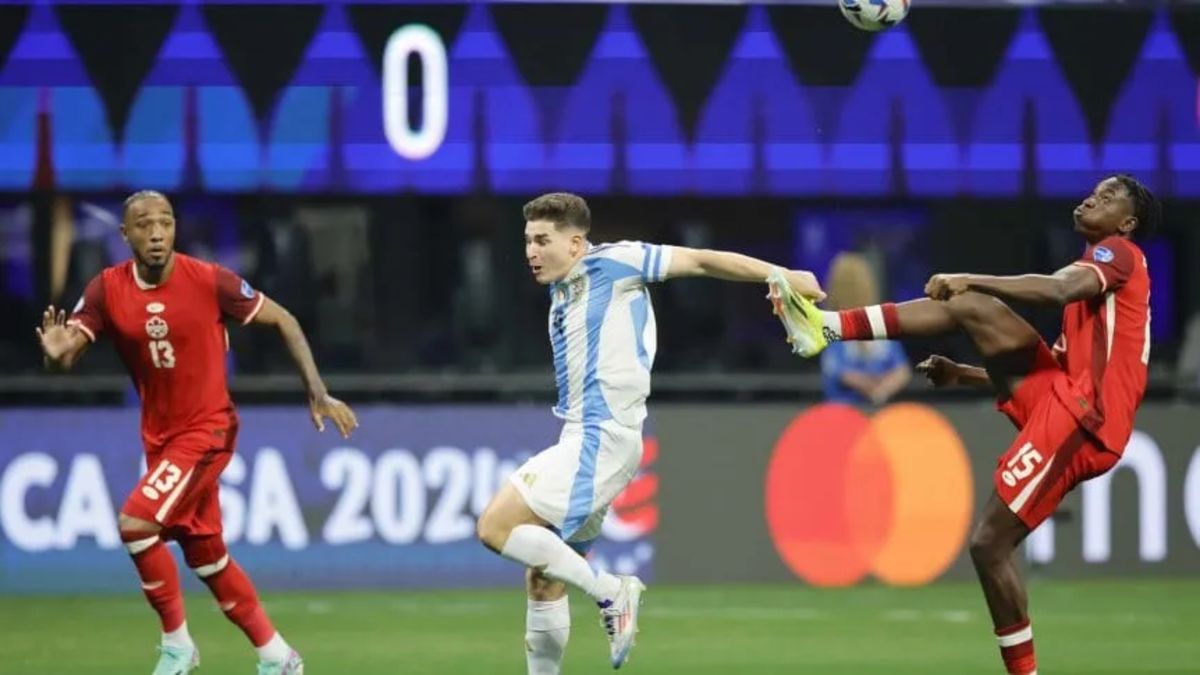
{"type": "Point", "coordinates": [986, 546]}
{"type": "Point", "coordinates": [506, 511]}
{"type": "Point", "coordinates": [978, 546]}
{"type": "Point", "coordinates": [491, 532]}
{"type": "Point", "coordinates": [973, 306]}
{"type": "Point", "coordinates": [128, 525]}
{"type": "Point", "coordinates": [138, 535]}
{"type": "Point", "coordinates": [989, 319]}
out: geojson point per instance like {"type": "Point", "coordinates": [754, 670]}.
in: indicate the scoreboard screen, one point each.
{"type": "Point", "coordinates": [656, 99]}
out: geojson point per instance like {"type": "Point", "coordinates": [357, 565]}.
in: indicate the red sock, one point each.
{"type": "Point", "coordinates": [1016, 648]}
{"type": "Point", "coordinates": [236, 597]}
{"type": "Point", "coordinates": [160, 578]}
{"type": "Point", "coordinates": [875, 322]}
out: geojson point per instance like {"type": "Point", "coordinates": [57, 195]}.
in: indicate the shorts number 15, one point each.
{"type": "Point", "coordinates": [1021, 466]}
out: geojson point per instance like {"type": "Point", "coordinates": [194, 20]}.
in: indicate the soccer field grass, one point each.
{"type": "Point", "coordinates": [1090, 627]}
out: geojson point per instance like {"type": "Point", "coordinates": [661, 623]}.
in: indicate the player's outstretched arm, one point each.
{"type": "Point", "coordinates": [698, 262]}
{"type": "Point", "coordinates": [320, 403]}
{"type": "Point", "coordinates": [1069, 284]}
{"type": "Point", "coordinates": [62, 344]}
{"type": "Point", "coordinates": [942, 372]}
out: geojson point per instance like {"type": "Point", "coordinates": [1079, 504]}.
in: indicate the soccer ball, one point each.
{"type": "Point", "coordinates": [873, 15]}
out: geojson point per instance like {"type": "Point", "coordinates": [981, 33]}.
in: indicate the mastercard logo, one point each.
{"type": "Point", "coordinates": [849, 495]}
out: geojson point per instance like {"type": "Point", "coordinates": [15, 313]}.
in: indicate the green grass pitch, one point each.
{"type": "Point", "coordinates": [1093, 627]}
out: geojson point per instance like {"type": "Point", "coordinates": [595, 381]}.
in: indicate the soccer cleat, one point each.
{"type": "Point", "coordinates": [292, 665]}
{"type": "Point", "coordinates": [801, 318]}
{"type": "Point", "coordinates": [177, 660]}
{"type": "Point", "coordinates": [619, 617]}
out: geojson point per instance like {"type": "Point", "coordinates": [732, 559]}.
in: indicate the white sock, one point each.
{"type": "Point", "coordinates": [275, 651]}
{"type": "Point", "coordinates": [535, 546]}
{"type": "Point", "coordinates": [833, 322]}
{"type": "Point", "coordinates": [547, 627]}
{"type": "Point", "coordinates": [178, 637]}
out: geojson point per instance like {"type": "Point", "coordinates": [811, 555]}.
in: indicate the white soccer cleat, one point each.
{"type": "Point", "coordinates": [293, 665]}
{"type": "Point", "coordinates": [177, 660]}
{"type": "Point", "coordinates": [619, 618]}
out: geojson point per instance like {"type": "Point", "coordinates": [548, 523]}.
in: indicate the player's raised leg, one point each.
{"type": "Point", "coordinates": [1008, 343]}
{"type": "Point", "coordinates": [510, 527]}
{"type": "Point", "coordinates": [916, 318]}
{"type": "Point", "coordinates": [547, 623]}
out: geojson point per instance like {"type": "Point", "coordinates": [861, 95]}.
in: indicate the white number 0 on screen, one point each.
{"type": "Point", "coordinates": [421, 40]}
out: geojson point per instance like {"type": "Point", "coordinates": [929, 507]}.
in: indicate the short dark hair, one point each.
{"type": "Point", "coordinates": [139, 196]}
{"type": "Point", "coordinates": [561, 208]}
{"type": "Point", "coordinates": [1146, 207]}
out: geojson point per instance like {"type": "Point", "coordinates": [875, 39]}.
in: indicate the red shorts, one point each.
{"type": "Point", "coordinates": [180, 488]}
{"type": "Point", "coordinates": [1052, 453]}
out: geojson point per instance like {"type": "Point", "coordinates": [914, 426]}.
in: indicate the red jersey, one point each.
{"type": "Point", "coordinates": [171, 338]}
{"type": "Point", "coordinates": [1105, 343]}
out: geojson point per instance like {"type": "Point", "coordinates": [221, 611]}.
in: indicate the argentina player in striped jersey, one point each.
{"type": "Point", "coordinates": [602, 334]}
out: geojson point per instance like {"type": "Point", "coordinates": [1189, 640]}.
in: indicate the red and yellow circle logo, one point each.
{"type": "Point", "coordinates": [849, 495]}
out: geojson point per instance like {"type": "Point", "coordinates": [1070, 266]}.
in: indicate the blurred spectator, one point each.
{"type": "Point", "coordinates": [860, 372]}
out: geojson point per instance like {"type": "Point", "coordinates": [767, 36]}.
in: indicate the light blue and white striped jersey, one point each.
{"type": "Point", "coordinates": [603, 335]}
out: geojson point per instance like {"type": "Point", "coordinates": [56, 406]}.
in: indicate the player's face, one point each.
{"type": "Point", "coordinates": [551, 252]}
{"type": "Point", "coordinates": [149, 228]}
{"type": "Point", "coordinates": [1105, 212]}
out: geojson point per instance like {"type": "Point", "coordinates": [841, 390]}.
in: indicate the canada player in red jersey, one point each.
{"type": "Point", "coordinates": [165, 313]}
{"type": "Point", "coordinates": [1074, 403]}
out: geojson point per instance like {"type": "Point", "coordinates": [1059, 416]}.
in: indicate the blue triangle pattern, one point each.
{"type": "Point", "coordinates": [614, 130]}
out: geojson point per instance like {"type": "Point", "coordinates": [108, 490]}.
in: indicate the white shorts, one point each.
{"type": "Point", "coordinates": [570, 484]}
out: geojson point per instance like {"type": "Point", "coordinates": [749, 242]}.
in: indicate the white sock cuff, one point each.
{"type": "Point", "coordinates": [180, 637]}
{"type": "Point", "coordinates": [1014, 639]}
{"type": "Point", "coordinates": [205, 571]}
{"type": "Point", "coordinates": [832, 321]}
{"type": "Point", "coordinates": [275, 651]}
{"type": "Point", "coordinates": [875, 318]}
{"type": "Point", "coordinates": [546, 616]}
{"type": "Point", "coordinates": [136, 547]}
